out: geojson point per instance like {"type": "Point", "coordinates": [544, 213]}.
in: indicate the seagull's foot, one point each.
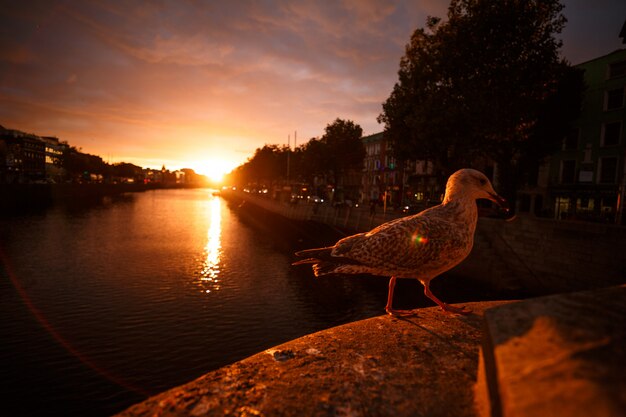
{"type": "Point", "coordinates": [394, 312]}
{"type": "Point", "coordinates": [455, 310]}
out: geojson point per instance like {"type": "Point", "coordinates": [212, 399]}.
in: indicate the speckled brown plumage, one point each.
{"type": "Point", "coordinates": [421, 246]}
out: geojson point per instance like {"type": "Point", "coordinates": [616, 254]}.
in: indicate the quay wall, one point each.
{"type": "Point", "coordinates": [24, 198]}
{"type": "Point", "coordinates": [529, 255]}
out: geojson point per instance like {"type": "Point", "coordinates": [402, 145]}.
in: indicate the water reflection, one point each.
{"type": "Point", "coordinates": [210, 271]}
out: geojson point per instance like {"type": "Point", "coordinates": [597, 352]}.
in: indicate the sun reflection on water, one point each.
{"type": "Point", "coordinates": [210, 271]}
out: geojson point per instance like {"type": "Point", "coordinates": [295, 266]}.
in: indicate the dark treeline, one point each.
{"type": "Point", "coordinates": [327, 160]}
{"type": "Point", "coordinates": [86, 167]}
{"type": "Point", "coordinates": [79, 164]}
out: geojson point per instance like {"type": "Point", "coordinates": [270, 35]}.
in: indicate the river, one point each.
{"type": "Point", "coordinates": [105, 304]}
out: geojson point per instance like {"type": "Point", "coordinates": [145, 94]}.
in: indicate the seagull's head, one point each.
{"type": "Point", "coordinates": [475, 185]}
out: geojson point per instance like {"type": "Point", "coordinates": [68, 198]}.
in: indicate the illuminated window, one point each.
{"type": "Point", "coordinates": [585, 204]}
{"type": "Point", "coordinates": [561, 207]}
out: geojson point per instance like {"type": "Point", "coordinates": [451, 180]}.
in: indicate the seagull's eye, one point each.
{"type": "Point", "coordinates": [483, 181]}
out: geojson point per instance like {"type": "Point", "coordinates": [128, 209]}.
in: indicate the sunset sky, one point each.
{"type": "Point", "coordinates": [202, 84]}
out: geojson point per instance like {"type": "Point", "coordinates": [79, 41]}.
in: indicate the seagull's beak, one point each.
{"type": "Point", "coordinates": [499, 201]}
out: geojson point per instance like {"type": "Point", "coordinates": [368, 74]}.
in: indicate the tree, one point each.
{"type": "Point", "coordinates": [344, 148]}
{"type": "Point", "coordinates": [553, 121]}
{"type": "Point", "coordinates": [266, 166]}
{"type": "Point", "coordinates": [313, 160]}
{"type": "Point", "coordinates": [477, 84]}
{"type": "Point", "coordinates": [126, 170]}
{"type": "Point", "coordinates": [82, 165]}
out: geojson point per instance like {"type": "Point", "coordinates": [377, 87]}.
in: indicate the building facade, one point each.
{"type": "Point", "coordinates": [587, 176]}
{"type": "Point", "coordinates": [54, 150]}
{"type": "Point", "coordinates": [385, 181]}
{"type": "Point", "coordinates": [381, 177]}
{"type": "Point", "coordinates": [22, 157]}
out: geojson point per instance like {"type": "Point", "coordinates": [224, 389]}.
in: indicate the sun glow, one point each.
{"type": "Point", "coordinates": [215, 169]}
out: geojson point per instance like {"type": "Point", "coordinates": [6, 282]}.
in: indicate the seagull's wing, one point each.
{"type": "Point", "coordinates": [409, 243]}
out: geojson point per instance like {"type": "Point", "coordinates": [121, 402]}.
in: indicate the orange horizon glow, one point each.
{"type": "Point", "coordinates": [214, 164]}
{"type": "Point", "coordinates": [215, 169]}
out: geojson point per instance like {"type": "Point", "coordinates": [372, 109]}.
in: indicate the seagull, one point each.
{"type": "Point", "coordinates": [421, 246]}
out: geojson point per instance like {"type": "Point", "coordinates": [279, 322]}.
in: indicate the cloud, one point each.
{"type": "Point", "coordinates": [136, 78]}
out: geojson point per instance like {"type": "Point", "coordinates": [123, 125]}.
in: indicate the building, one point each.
{"type": "Point", "coordinates": [23, 157]}
{"type": "Point", "coordinates": [588, 175]}
{"type": "Point", "coordinates": [54, 151]}
{"type": "Point", "coordinates": [383, 179]}
{"type": "Point", "coordinates": [380, 178]}
{"type": "Point", "coordinates": [379, 170]}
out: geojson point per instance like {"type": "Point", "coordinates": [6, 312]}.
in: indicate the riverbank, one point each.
{"type": "Point", "coordinates": [526, 257]}
{"type": "Point", "coordinates": [20, 198]}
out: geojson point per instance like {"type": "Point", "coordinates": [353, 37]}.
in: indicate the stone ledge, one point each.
{"type": "Point", "coordinates": [560, 355]}
{"type": "Point", "coordinates": [420, 365]}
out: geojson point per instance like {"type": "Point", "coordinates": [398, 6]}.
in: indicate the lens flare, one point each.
{"type": "Point", "coordinates": [59, 338]}
{"type": "Point", "coordinates": [419, 239]}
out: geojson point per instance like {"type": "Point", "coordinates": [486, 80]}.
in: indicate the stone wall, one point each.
{"type": "Point", "coordinates": [547, 256]}
{"type": "Point", "coordinates": [528, 255]}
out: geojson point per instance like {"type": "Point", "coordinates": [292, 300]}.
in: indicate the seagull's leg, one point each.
{"type": "Point", "coordinates": [392, 285]}
{"type": "Point", "coordinates": [444, 306]}
{"type": "Point", "coordinates": [388, 308]}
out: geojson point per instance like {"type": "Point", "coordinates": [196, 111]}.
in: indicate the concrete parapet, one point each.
{"type": "Point", "coordinates": [421, 365]}
{"type": "Point", "coordinates": [529, 255]}
{"type": "Point", "coordinates": [560, 355]}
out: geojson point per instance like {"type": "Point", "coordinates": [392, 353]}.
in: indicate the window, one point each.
{"type": "Point", "coordinates": [585, 176]}
{"type": "Point", "coordinates": [608, 170]}
{"type": "Point", "coordinates": [617, 69]}
{"type": "Point", "coordinates": [561, 207]}
{"type": "Point", "coordinates": [587, 154]}
{"type": "Point", "coordinates": [533, 176]}
{"type": "Point", "coordinates": [614, 99]}
{"type": "Point", "coordinates": [608, 204]}
{"type": "Point", "coordinates": [571, 140]}
{"type": "Point", "coordinates": [525, 203]}
{"type": "Point", "coordinates": [568, 172]}
{"type": "Point", "coordinates": [611, 133]}
{"type": "Point", "coordinates": [585, 204]}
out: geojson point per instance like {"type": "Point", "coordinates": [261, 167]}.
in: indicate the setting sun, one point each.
{"type": "Point", "coordinates": [214, 169]}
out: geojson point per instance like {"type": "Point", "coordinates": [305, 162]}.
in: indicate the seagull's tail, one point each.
{"type": "Point", "coordinates": [324, 263]}
{"type": "Point", "coordinates": [320, 258]}
{"type": "Point", "coordinates": [319, 267]}
{"type": "Point", "coordinates": [306, 261]}
{"type": "Point", "coordinates": [324, 268]}
{"type": "Point", "coordinates": [317, 253]}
